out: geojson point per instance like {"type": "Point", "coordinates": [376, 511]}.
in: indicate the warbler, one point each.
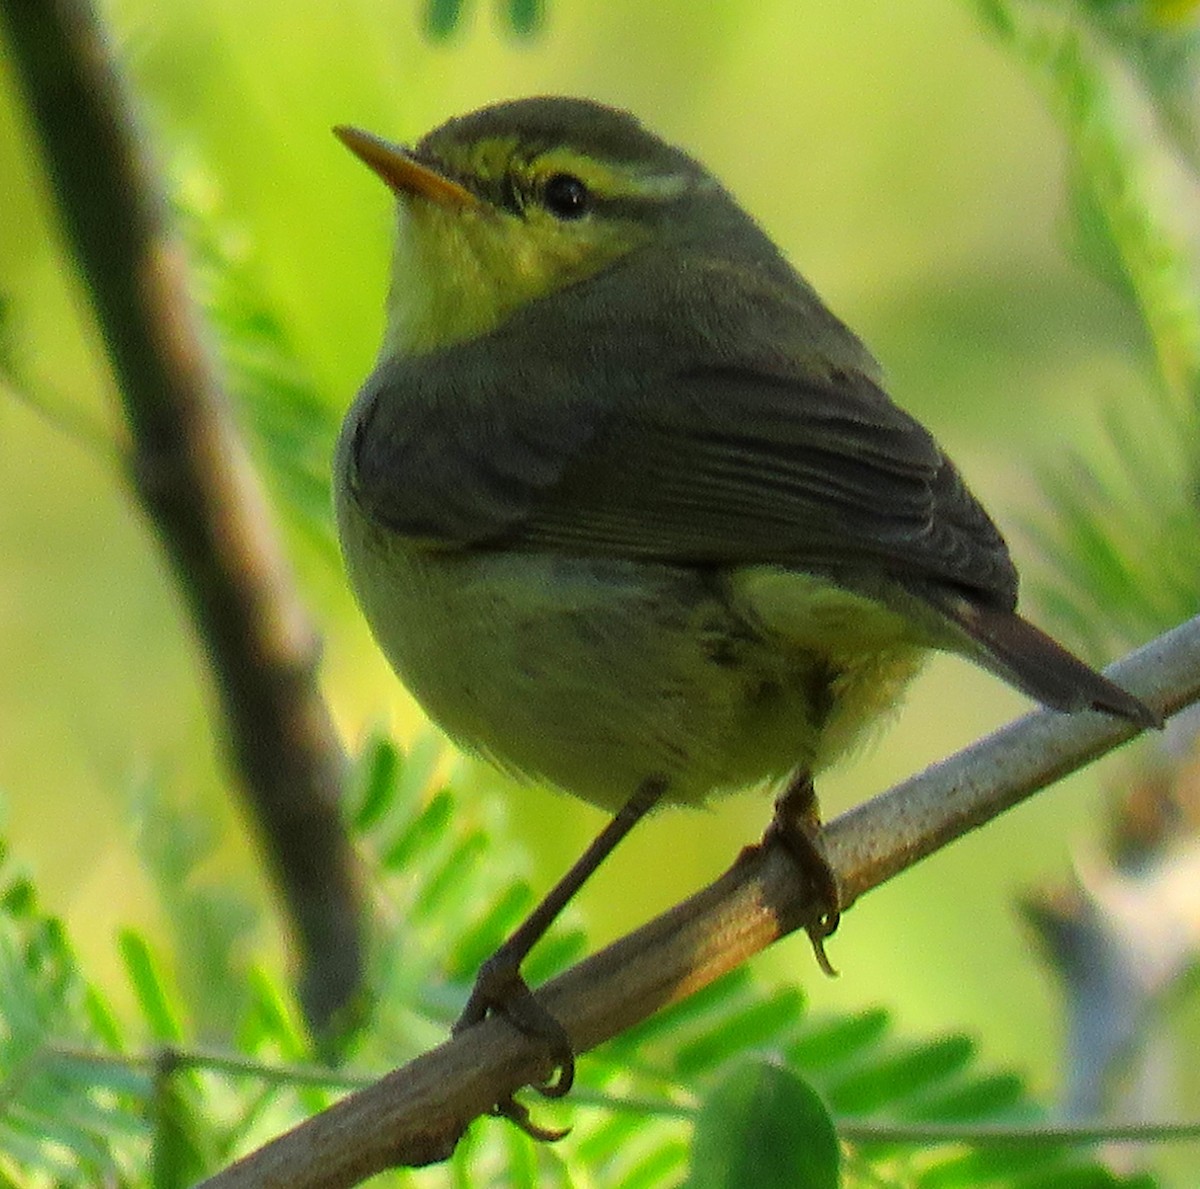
{"type": "Point", "coordinates": [629, 510]}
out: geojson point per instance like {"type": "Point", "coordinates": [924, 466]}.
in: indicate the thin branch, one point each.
{"type": "Point", "coordinates": [192, 480]}
{"type": "Point", "coordinates": [1017, 1135]}
{"type": "Point", "coordinates": [231, 1065]}
{"type": "Point", "coordinates": [416, 1114]}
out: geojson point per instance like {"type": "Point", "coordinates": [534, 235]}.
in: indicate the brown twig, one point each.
{"type": "Point", "coordinates": [190, 475]}
{"type": "Point", "coordinates": [416, 1115]}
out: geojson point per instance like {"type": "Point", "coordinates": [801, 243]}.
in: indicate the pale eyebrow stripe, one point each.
{"type": "Point", "coordinates": [613, 183]}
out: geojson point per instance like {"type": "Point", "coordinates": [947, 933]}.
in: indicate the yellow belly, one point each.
{"type": "Point", "coordinates": [596, 674]}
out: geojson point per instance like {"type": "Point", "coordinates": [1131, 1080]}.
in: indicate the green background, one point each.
{"type": "Point", "coordinates": [908, 169]}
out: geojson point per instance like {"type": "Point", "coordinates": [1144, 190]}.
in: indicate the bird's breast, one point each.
{"type": "Point", "coordinates": [594, 674]}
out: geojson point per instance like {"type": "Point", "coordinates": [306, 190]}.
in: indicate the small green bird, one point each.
{"type": "Point", "coordinates": [627, 507]}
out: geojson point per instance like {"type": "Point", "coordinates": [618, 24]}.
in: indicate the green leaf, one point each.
{"type": "Point", "coordinates": [100, 1019]}
{"type": "Point", "coordinates": [210, 921]}
{"type": "Point", "coordinates": [693, 1017]}
{"type": "Point", "coordinates": [834, 1040]}
{"type": "Point", "coordinates": [271, 1024]}
{"type": "Point", "coordinates": [661, 1166]}
{"type": "Point", "coordinates": [373, 787]}
{"type": "Point", "coordinates": [63, 1115]}
{"type": "Point", "coordinates": [176, 1156]}
{"type": "Point", "coordinates": [1090, 1177]}
{"type": "Point", "coordinates": [888, 1080]}
{"type": "Point", "coordinates": [446, 885]}
{"type": "Point", "coordinates": [765, 1022]}
{"type": "Point", "coordinates": [19, 898]}
{"type": "Point", "coordinates": [526, 17]}
{"type": "Point", "coordinates": [421, 834]}
{"type": "Point", "coordinates": [149, 987]}
{"type": "Point", "coordinates": [763, 1127]}
{"type": "Point", "coordinates": [1008, 1165]}
{"type": "Point", "coordinates": [442, 17]}
{"type": "Point", "coordinates": [480, 942]}
{"type": "Point", "coordinates": [966, 1098]}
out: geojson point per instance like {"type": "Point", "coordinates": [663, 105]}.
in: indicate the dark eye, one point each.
{"type": "Point", "coordinates": [566, 196]}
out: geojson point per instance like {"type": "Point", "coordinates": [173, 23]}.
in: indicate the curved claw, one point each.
{"type": "Point", "coordinates": [518, 1114]}
{"type": "Point", "coordinates": [796, 827]}
{"type": "Point", "coordinates": [562, 1078]}
{"type": "Point", "coordinates": [824, 925]}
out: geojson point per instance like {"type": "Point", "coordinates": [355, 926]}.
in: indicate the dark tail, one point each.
{"type": "Point", "coordinates": [1043, 668]}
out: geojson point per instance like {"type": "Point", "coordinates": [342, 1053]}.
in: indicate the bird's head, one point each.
{"type": "Point", "coordinates": [514, 202]}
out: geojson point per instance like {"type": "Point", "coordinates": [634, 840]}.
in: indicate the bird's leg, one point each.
{"type": "Point", "coordinates": [796, 827]}
{"type": "Point", "coordinates": [500, 987]}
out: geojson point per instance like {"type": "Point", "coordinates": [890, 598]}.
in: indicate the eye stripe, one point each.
{"type": "Point", "coordinates": [511, 176]}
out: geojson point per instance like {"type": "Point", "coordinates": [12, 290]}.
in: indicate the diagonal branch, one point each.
{"type": "Point", "coordinates": [191, 478]}
{"type": "Point", "coordinates": [417, 1114]}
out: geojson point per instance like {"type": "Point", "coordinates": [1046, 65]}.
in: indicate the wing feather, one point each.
{"type": "Point", "coordinates": [751, 432]}
{"type": "Point", "coordinates": [631, 433]}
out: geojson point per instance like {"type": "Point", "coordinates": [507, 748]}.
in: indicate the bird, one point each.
{"type": "Point", "coordinates": [629, 510]}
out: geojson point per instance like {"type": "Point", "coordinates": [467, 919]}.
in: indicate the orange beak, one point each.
{"type": "Point", "coordinates": [401, 172]}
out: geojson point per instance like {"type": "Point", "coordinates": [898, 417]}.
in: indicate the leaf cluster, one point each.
{"type": "Point", "coordinates": [1124, 516]}
{"type": "Point", "coordinates": [521, 18]}
{"type": "Point", "coordinates": [89, 1095]}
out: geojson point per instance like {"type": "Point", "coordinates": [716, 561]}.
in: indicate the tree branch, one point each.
{"type": "Point", "coordinates": [192, 480]}
{"type": "Point", "coordinates": [416, 1114]}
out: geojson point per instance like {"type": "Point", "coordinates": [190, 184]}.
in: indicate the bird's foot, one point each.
{"type": "Point", "coordinates": [501, 989]}
{"type": "Point", "coordinates": [796, 827]}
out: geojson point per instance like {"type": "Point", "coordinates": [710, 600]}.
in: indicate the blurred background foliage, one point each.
{"type": "Point", "coordinates": [915, 169]}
